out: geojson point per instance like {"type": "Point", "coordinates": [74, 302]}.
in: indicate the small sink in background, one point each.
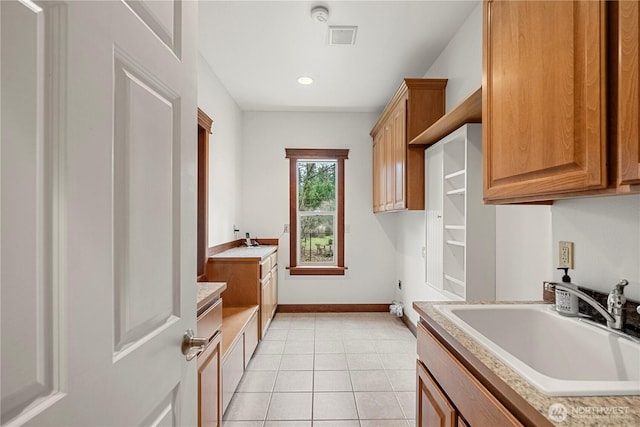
{"type": "Point", "coordinates": [559, 356]}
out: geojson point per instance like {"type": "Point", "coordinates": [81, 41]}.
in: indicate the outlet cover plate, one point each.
{"type": "Point", "coordinates": [565, 254]}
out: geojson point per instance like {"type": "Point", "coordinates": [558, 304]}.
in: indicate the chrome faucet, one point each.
{"type": "Point", "coordinates": [615, 304]}
{"type": "Point", "coordinates": [614, 313]}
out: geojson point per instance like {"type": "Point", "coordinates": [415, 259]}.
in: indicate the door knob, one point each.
{"type": "Point", "coordinates": [192, 345]}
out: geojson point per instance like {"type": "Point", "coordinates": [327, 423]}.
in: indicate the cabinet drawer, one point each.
{"type": "Point", "coordinates": [478, 406]}
{"type": "Point", "coordinates": [265, 279]}
{"type": "Point", "coordinates": [210, 321]}
{"type": "Point", "coordinates": [265, 267]}
{"type": "Point", "coordinates": [274, 259]}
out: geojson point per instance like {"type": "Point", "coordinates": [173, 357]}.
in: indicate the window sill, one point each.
{"type": "Point", "coordinates": [317, 271]}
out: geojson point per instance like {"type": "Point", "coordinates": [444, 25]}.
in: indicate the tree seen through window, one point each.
{"type": "Point", "coordinates": [317, 210]}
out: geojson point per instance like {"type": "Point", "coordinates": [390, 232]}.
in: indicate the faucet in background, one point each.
{"type": "Point", "coordinates": [614, 313]}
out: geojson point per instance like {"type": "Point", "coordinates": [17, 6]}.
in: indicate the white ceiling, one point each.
{"type": "Point", "coordinates": [258, 49]}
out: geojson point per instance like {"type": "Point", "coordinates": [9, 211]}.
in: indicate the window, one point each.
{"type": "Point", "coordinates": [316, 211]}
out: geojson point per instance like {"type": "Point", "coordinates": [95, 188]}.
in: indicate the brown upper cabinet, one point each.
{"type": "Point", "coordinates": [560, 106]}
{"type": "Point", "coordinates": [628, 94]}
{"type": "Point", "coordinates": [398, 169]}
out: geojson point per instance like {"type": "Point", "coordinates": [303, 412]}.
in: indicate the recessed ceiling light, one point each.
{"type": "Point", "coordinates": [304, 80]}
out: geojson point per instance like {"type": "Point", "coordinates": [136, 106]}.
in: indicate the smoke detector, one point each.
{"type": "Point", "coordinates": [320, 14]}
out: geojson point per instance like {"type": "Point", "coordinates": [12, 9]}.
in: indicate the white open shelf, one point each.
{"type": "Point", "coordinates": [452, 175]}
{"type": "Point", "coordinates": [460, 229]}
{"type": "Point", "coordinates": [457, 191]}
{"type": "Point", "coordinates": [454, 227]}
{"type": "Point", "coordinates": [453, 280]}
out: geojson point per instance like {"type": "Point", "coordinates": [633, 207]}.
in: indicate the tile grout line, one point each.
{"type": "Point", "coordinates": [344, 353]}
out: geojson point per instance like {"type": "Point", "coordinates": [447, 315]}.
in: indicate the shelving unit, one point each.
{"type": "Point", "coordinates": [460, 231]}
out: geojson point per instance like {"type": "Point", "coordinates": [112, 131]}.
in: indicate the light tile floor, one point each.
{"type": "Point", "coordinates": [329, 370]}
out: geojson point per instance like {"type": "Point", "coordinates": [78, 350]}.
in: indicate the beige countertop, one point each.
{"type": "Point", "coordinates": [254, 252]}
{"type": "Point", "coordinates": [619, 411]}
{"type": "Point", "coordinates": [208, 291]}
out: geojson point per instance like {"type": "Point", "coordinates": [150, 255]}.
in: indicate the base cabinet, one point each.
{"type": "Point", "coordinates": [449, 394]}
{"type": "Point", "coordinates": [209, 385]}
{"type": "Point", "coordinates": [237, 354]}
{"type": "Point", "coordinates": [432, 406]}
{"type": "Point", "coordinates": [269, 292]}
{"type": "Point", "coordinates": [232, 370]}
{"type": "Point", "coordinates": [251, 276]}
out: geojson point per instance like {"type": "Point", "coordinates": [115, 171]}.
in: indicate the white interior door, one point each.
{"type": "Point", "coordinates": [98, 197]}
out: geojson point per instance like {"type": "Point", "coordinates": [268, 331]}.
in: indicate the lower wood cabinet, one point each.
{"type": "Point", "coordinates": [232, 370]}
{"type": "Point", "coordinates": [250, 301]}
{"type": "Point", "coordinates": [250, 337]}
{"type": "Point", "coordinates": [240, 339]}
{"type": "Point", "coordinates": [448, 393]}
{"type": "Point", "coordinates": [209, 385]}
{"type": "Point", "coordinates": [432, 406]}
{"type": "Point", "coordinates": [251, 277]}
{"type": "Point", "coordinates": [269, 294]}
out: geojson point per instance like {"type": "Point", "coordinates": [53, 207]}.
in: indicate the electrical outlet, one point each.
{"type": "Point", "coordinates": [565, 251]}
{"type": "Point", "coordinates": [286, 228]}
{"type": "Point", "coordinates": [399, 284]}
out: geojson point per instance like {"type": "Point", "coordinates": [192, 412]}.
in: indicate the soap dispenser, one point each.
{"type": "Point", "coordinates": [566, 302]}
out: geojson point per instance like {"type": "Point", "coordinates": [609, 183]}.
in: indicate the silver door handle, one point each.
{"type": "Point", "coordinates": [192, 345]}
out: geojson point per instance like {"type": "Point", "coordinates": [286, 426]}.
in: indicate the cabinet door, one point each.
{"type": "Point", "coordinates": [266, 304]}
{"type": "Point", "coordinates": [379, 180]}
{"type": "Point", "coordinates": [399, 137]}
{"type": "Point", "coordinates": [543, 98]}
{"type": "Point", "coordinates": [390, 176]}
{"type": "Point", "coordinates": [209, 385]}
{"type": "Point", "coordinates": [462, 422]}
{"type": "Point", "coordinates": [628, 93]}
{"type": "Point", "coordinates": [274, 291]}
{"type": "Point", "coordinates": [250, 339]}
{"type": "Point", "coordinates": [232, 370]}
{"type": "Point", "coordinates": [432, 406]}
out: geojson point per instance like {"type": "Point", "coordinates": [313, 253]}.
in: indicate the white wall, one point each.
{"type": "Point", "coordinates": [225, 151]}
{"type": "Point", "coordinates": [369, 246]}
{"type": "Point", "coordinates": [606, 236]}
{"type": "Point", "coordinates": [523, 251]}
{"type": "Point", "coordinates": [461, 61]}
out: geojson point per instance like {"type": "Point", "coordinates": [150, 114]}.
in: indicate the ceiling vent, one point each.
{"type": "Point", "coordinates": [341, 35]}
